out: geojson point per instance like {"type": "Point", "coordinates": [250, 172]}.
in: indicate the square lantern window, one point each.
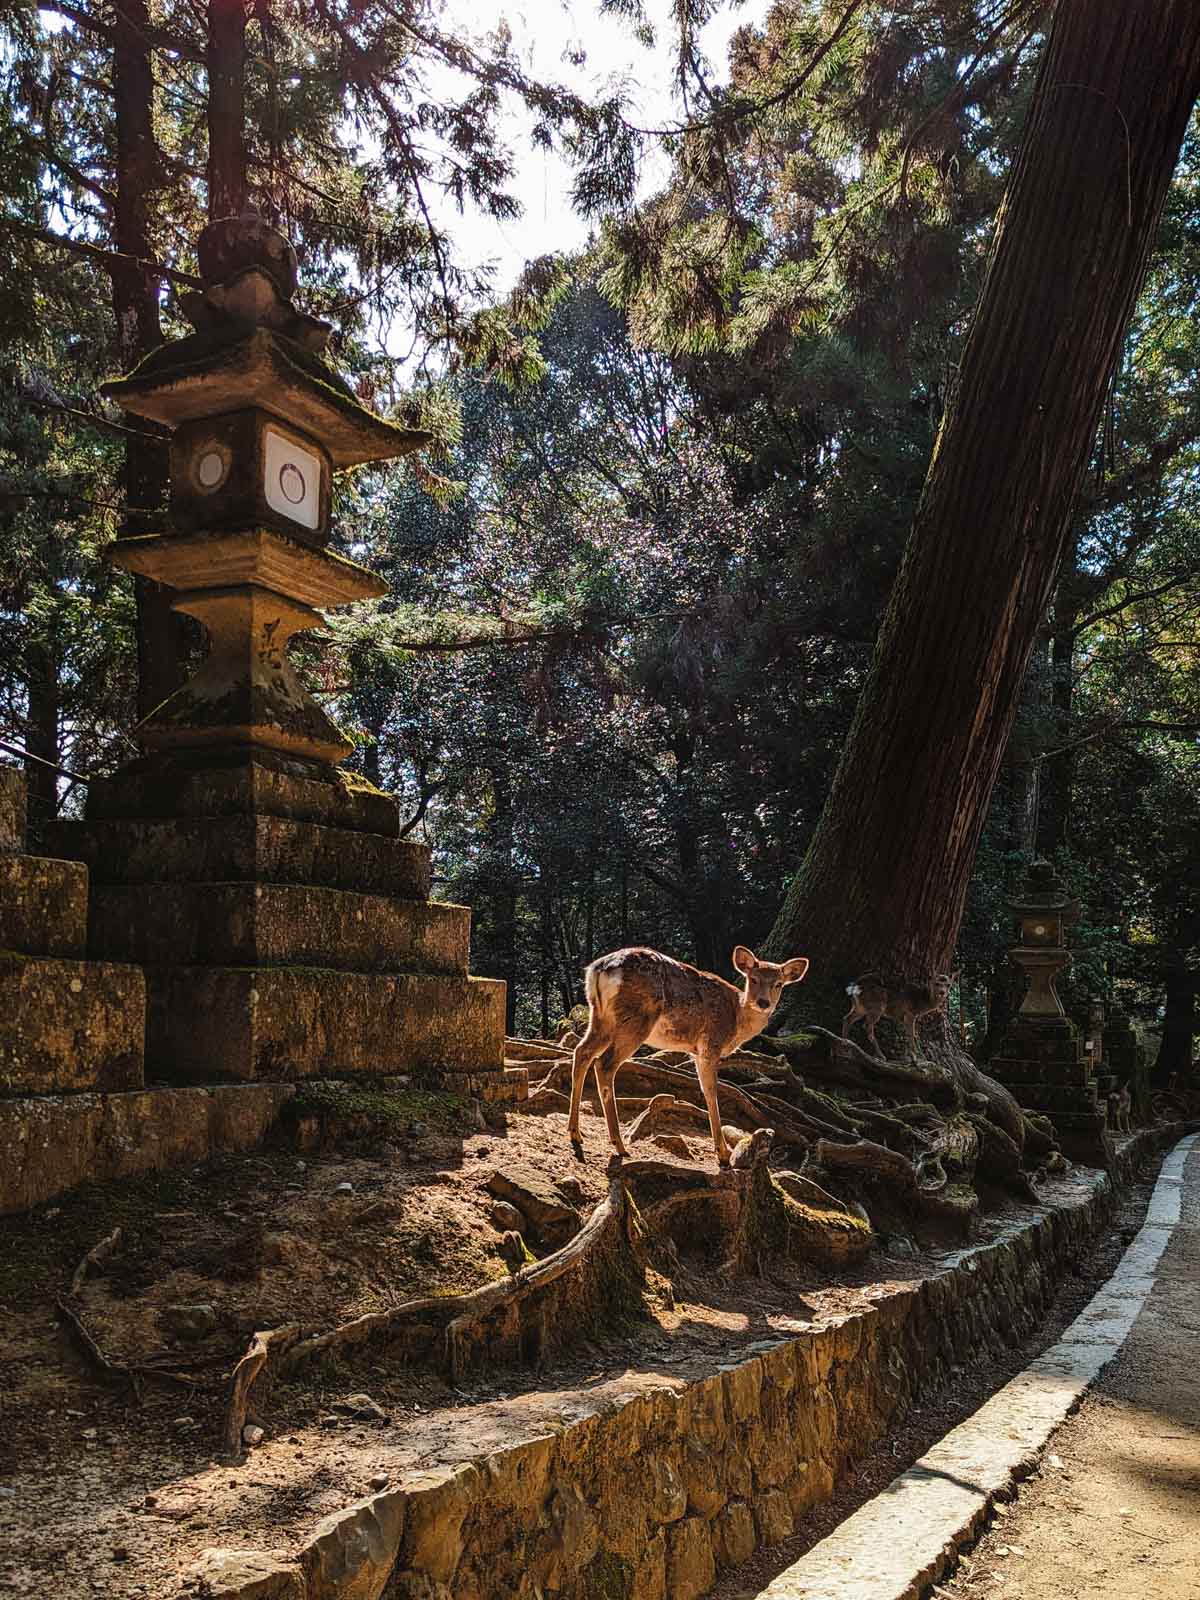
{"type": "Point", "coordinates": [247, 469]}
{"type": "Point", "coordinates": [1042, 928]}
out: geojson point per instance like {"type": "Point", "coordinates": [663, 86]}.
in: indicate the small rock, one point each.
{"type": "Point", "coordinates": [572, 1190]}
{"type": "Point", "coordinates": [379, 1481]}
{"type": "Point", "coordinates": [90, 1433]}
{"type": "Point", "coordinates": [343, 1188]}
{"type": "Point", "coordinates": [553, 1219]}
{"type": "Point", "coordinates": [183, 1422]}
{"type": "Point", "coordinates": [512, 1248]}
{"type": "Point", "coordinates": [188, 1322]}
{"type": "Point", "coordinates": [506, 1217]}
{"type": "Point", "coordinates": [1054, 1461]}
{"type": "Point", "coordinates": [672, 1144]}
{"type": "Point", "coordinates": [252, 1435]}
{"type": "Point", "coordinates": [898, 1245]}
{"type": "Point", "coordinates": [362, 1407]}
{"type": "Point", "coordinates": [302, 1166]}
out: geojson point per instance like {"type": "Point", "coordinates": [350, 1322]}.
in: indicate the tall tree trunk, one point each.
{"type": "Point", "coordinates": [1179, 1024]}
{"type": "Point", "coordinates": [161, 634]}
{"type": "Point", "coordinates": [44, 705]}
{"type": "Point", "coordinates": [225, 57]}
{"type": "Point", "coordinates": [885, 879]}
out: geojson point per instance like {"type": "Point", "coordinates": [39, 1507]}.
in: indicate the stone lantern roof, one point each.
{"type": "Point", "coordinates": [252, 347]}
{"type": "Point", "coordinates": [1043, 894]}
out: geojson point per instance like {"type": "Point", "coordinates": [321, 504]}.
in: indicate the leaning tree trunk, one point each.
{"type": "Point", "coordinates": [885, 878]}
{"type": "Point", "coordinates": [161, 633]}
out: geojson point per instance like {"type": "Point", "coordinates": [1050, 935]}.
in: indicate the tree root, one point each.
{"type": "Point", "coordinates": [94, 1260]}
{"type": "Point", "coordinates": [244, 1376]}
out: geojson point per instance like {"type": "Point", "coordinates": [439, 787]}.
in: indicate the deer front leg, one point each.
{"type": "Point", "coordinates": [706, 1071]}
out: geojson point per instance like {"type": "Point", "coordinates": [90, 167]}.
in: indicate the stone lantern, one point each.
{"type": "Point", "coordinates": [284, 925]}
{"type": "Point", "coordinates": [1043, 910]}
{"type": "Point", "coordinates": [258, 423]}
{"type": "Point", "coordinates": [1041, 1058]}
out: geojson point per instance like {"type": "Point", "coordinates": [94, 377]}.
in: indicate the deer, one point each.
{"type": "Point", "coordinates": [1120, 1104]}
{"type": "Point", "coordinates": [872, 999]}
{"type": "Point", "coordinates": [638, 996]}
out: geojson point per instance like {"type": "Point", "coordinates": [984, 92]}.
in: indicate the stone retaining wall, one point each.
{"type": "Point", "coordinates": [657, 1482]}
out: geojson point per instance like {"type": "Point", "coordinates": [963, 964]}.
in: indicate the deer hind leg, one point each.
{"type": "Point", "coordinates": [706, 1071]}
{"type": "Point", "coordinates": [848, 1020]}
{"type": "Point", "coordinates": [587, 1050]}
{"type": "Point", "coordinates": [607, 1067]}
{"type": "Point", "coordinates": [873, 1014]}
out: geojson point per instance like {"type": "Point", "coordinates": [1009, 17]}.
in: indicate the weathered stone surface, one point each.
{"type": "Point", "coordinates": [438, 1503]}
{"type": "Point", "coordinates": [691, 1570]}
{"type": "Point", "coordinates": [536, 1199]}
{"type": "Point", "coordinates": [52, 1144]}
{"type": "Point", "coordinates": [43, 906]}
{"type": "Point", "coordinates": [239, 849]}
{"type": "Point", "coordinates": [12, 809]}
{"type": "Point", "coordinates": [734, 1537]}
{"type": "Point", "coordinates": [245, 1575]}
{"type": "Point", "coordinates": [69, 1026]}
{"type": "Point", "coordinates": [273, 1024]}
{"type": "Point", "coordinates": [245, 788]}
{"type": "Point", "coordinates": [350, 1554]}
{"type": "Point", "coordinates": [273, 924]}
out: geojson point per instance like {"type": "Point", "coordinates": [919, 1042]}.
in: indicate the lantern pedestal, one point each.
{"type": "Point", "coordinates": [284, 927]}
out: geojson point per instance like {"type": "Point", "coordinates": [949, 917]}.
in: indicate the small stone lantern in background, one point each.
{"type": "Point", "coordinates": [1043, 910]}
{"type": "Point", "coordinates": [1042, 1058]}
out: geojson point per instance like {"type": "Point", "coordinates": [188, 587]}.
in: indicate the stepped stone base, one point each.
{"type": "Point", "coordinates": [284, 927]}
{"type": "Point", "coordinates": [244, 849]}
{"type": "Point", "coordinates": [69, 1026]}
{"type": "Point", "coordinates": [43, 906]}
{"type": "Point", "coordinates": [248, 785]}
{"type": "Point", "coordinates": [1041, 1061]}
{"type": "Point", "coordinates": [49, 1146]}
{"type": "Point", "coordinates": [271, 924]}
{"type": "Point", "coordinates": [271, 1024]}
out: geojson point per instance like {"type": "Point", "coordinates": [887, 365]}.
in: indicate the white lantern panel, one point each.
{"type": "Point", "coordinates": [293, 480]}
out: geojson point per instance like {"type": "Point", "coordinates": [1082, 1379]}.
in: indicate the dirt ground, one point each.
{"type": "Point", "coordinates": [925, 1425]}
{"type": "Point", "coordinates": [107, 1491]}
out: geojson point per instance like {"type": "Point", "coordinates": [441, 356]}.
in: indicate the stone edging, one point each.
{"type": "Point", "coordinates": [655, 1482]}
{"type": "Point", "coordinates": [906, 1537]}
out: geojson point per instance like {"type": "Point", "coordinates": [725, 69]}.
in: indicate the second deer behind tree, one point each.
{"type": "Point", "coordinates": [639, 996]}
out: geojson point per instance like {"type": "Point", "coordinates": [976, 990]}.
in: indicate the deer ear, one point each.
{"type": "Point", "coordinates": [743, 959]}
{"type": "Point", "coordinates": [795, 969]}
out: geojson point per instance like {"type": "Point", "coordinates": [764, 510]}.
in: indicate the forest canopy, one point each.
{"type": "Point", "coordinates": [637, 581]}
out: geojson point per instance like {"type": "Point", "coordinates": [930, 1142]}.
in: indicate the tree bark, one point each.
{"type": "Point", "coordinates": [42, 665]}
{"type": "Point", "coordinates": [885, 879]}
{"type": "Point", "coordinates": [1179, 1024]}
{"type": "Point", "coordinates": [226, 61]}
{"type": "Point", "coordinates": [1058, 769]}
{"type": "Point", "coordinates": [161, 633]}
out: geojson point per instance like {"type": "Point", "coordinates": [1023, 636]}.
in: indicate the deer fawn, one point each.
{"type": "Point", "coordinates": [640, 997]}
{"type": "Point", "coordinates": [870, 998]}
